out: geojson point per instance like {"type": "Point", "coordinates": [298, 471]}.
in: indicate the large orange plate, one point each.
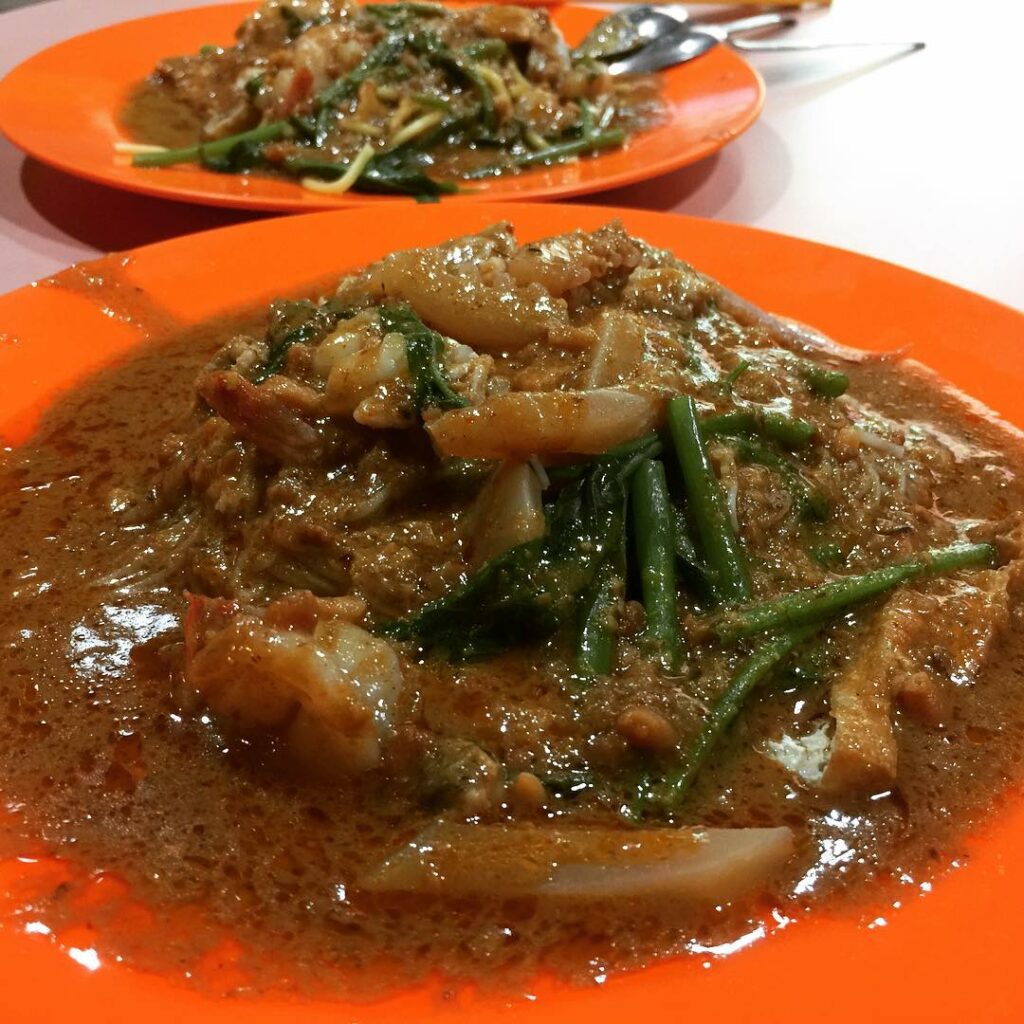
{"type": "Point", "coordinates": [949, 955]}
{"type": "Point", "coordinates": [62, 107]}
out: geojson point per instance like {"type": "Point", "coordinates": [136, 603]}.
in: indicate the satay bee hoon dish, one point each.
{"type": "Point", "coordinates": [398, 98]}
{"type": "Point", "coordinates": [515, 601]}
{"type": "Point", "coordinates": [307, 104]}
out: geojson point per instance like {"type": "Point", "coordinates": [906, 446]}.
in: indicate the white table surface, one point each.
{"type": "Point", "coordinates": [917, 159]}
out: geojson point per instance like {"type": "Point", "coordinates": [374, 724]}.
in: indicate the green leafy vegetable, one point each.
{"type": "Point", "coordinates": [431, 388]}
{"type": "Point", "coordinates": [595, 639]}
{"type": "Point", "coordinates": [384, 54]}
{"type": "Point", "coordinates": [806, 669]}
{"type": "Point", "coordinates": [428, 44]}
{"type": "Point", "coordinates": [294, 323]}
{"type": "Point", "coordinates": [254, 86]}
{"type": "Point", "coordinates": [532, 591]}
{"type": "Point", "coordinates": [243, 156]}
{"type": "Point", "coordinates": [485, 49]}
{"type": "Point", "coordinates": [313, 130]}
{"type": "Point", "coordinates": [573, 147]}
{"type": "Point", "coordinates": [392, 173]}
{"type": "Point", "coordinates": [693, 569]}
{"type": "Point", "coordinates": [828, 554]}
{"type": "Point", "coordinates": [729, 380]}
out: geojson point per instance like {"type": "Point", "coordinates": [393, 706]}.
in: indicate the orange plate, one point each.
{"type": "Point", "coordinates": [945, 956]}
{"type": "Point", "coordinates": [62, 106]}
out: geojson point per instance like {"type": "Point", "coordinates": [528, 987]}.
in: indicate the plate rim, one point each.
{"type": "Point", "coordinates": [663, 980]}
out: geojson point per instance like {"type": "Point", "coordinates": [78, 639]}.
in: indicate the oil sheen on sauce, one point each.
{"type": "Point", "coordinates": [157, 842]}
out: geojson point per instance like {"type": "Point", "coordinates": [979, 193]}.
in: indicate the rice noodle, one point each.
{"type": "Point", "coordinates": [728, 475]}
{"type": "Point", "coordinates": [402, 113]}
{"type": "Point", "coordinates": [535, 140]}
{"type": "Point", "coordinates": [417, 127]}
{"type": "Point", "coordinates": [137, 148]}
{"type": "Point", "coordinates": [495, 81]}
{"type": "Point", "coordinates": [355, 169]}
{"type": "Point", "coordinates": [879, 443]}
{"type": "Point", "coordinates": [871, 472]}
{"type": "Point", "coordinates": [352, 124]}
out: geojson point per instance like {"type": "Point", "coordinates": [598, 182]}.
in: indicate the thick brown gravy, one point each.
{"type": "Point", "coordinates": [211, 842]}
{"type": "Point", "coordinates": [268, 79]}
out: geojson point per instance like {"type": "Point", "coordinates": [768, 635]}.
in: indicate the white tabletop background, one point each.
{"type": "Point", "coordinates": [917, 159]}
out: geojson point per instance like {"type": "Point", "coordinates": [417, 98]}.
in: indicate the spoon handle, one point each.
{"type": "Point", "coordinates": [751, 23]}
{"type": "Point", "coordinates": [787, 46]}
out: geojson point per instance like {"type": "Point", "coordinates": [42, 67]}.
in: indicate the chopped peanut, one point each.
{"type": "Point", "coordinates": [646, 729]}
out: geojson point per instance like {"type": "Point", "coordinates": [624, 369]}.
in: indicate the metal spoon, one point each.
{"type": "Point", "coordinates": [800, 46]}
{"type": "Point", "coordinates": [626, 31]}
{"type": "Point", "coordinates": [686, 41]}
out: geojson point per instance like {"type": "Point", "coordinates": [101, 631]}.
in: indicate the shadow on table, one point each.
{"type": "Point", "coordinates": [112, 220]}
{"type": "Point", "coordinates": [741, 182]}
{"type": "Point", "coordinates": [664, 193]}
{"type": "Point", "coordinates": [805, 77]}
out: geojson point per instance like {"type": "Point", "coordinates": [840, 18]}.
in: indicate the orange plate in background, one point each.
{"type": "Point", "coordinates": [948, 955]}
{"type": "Point", "coordinates": [62, 106]}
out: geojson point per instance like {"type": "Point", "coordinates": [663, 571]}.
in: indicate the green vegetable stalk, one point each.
{"type": "Point", "coordinates": [219, 149]}
{"type": "Point", "coordinates": [824, 382]}
{"type": "Point", "coordinates": [573, 147]}
{"type": "Point", "coordinates": [669, 793]}
{"type": "Point", "coordinates": [653, 529]}
{"type": "Point", "coordinates": [788, 431]}
{"type": "Point", "coordinates": [815, 603]}
{"type": "Point", "coordinates": [717, 542]}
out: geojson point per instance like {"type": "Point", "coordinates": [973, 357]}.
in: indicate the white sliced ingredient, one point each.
{"type": "Point", "coordinates": [692, 864]}
{"type": "Point", "coordinates": [804, 756]}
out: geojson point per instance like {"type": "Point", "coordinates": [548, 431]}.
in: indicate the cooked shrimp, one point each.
{"type": "Point", "coordinates": [368, 375]}
{"type": "Point", "coordinates": [274, 416]}
{"type": "Point", "coordinates": [301, 671]}
{"type": "Point", "coordinates": [377, 370]}
{"type": "Point", "coordinates": [520, 424]}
